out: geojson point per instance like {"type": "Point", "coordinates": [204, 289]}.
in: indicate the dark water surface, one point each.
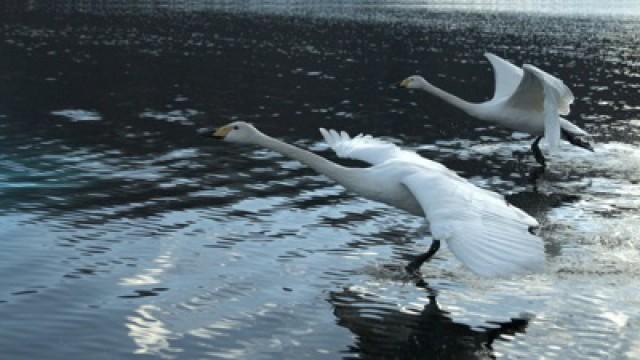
{"type": "Point", "coordinates": [126, 235]}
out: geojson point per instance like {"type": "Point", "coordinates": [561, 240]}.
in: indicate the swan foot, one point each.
{"type": "Point", "coordinates": [537, 153]}
{"type": "Point", "coordinates": [414, 266]}
{"type": "Point", "coordinates": [576, 140]}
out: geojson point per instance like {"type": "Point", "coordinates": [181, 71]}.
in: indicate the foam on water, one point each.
{"type": "Point", "coordinates": [78, 115]}
{"type": "Point", "coordinates": [615, 159]}
{"type": "Point", "coordinates": [178, 115]}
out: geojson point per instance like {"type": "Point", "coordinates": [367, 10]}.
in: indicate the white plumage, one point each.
{"type": "Point", "coordinates": [526, 99]}
{"type": "Point", "coordinates": [368, 149]}
{"type": "Point", "coordinates": [488, 235]}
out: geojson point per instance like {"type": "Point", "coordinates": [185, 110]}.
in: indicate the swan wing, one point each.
{"type": "Point", "coordinates": [488, 235]}
{"type": "Point", "coordinates": [554, 88]}
{"type": "Point", "coordinates": [507, 76]}
{"type": "Point", "coordinates": [541, 92]}
{"type": "Point", "coordinates": [366, 148]}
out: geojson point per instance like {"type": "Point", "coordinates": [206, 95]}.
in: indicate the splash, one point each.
{"type": "Point", "coordinates": [614, 158]}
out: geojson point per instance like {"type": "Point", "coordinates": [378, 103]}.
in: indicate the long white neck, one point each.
{"type": "Point", "coordinates": [465, 106]}
{"type": "Point", "coordinates": [340, 174]}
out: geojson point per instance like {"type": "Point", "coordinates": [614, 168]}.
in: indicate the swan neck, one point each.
{"type": "Point", "coordinates": [334, 171]}
{"type": "Point", "coordinates": [450, 98]}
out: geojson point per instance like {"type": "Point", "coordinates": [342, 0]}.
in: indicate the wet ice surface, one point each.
{"type": "Point", "coordinates": [133, 236]}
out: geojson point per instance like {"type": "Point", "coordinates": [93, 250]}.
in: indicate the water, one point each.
{"type": "Point", "coordinates": [126, 235]}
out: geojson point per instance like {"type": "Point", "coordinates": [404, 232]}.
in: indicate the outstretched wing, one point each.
{"type": "Point", "coordinates": [541, 92]}
{"type": "Point", "coordinates": [368, 149]}
{"type": "Point", "coordinates": [488, 235]}
{"type": "Point", "coordinates": [554, 88]}
{"type": "Point", "coordinates": [507, 76]}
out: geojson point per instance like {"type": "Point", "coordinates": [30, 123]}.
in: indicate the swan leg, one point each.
{"type": "Point", "coordinates": [537, 153]}
{"type": "Point", "coordinates": [416, 263]}
{"type": "Point", "coordinates": [576, 140]}
{"type": "Point", "coordinates": [534, 174]}
{"type": "Point", "coordinates": [519, 155]}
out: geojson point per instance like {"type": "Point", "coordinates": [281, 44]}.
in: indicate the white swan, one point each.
{"type": "Point", "coordinates": [527, 100]}
{"type": "Point", "coordinates": [490, 236]}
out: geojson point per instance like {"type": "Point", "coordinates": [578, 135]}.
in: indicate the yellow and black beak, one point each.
{"type": "Point", "coordinates": [220, 133]}
{"type": "Point", "coordinates": [404, 83]}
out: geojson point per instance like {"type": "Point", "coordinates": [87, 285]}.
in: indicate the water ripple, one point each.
{"type": "Point", "coordinates": [125, 233]}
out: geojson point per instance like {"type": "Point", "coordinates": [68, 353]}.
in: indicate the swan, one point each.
{"type": "Point", "coordinates": [487, 234]}
{"type": "Point", "coordinates": [526, 99]}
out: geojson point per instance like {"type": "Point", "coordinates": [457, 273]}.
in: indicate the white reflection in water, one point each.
{"type": "Point", "coordinates": [150, 276]}
{"type": "Point", "coordinates": [150, 334]}
{"type": "Point", "coordinates": [78, 115]}
{"type": "Point", "coordinates": [215, 329]}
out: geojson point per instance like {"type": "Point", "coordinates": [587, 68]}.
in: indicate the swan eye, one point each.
{"type": "Point", "coordinates": [235, 127]}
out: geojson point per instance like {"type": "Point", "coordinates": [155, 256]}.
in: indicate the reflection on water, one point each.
{"type": "Point", "coordinates": [384, 331]}
{"type": "Point", "coordinates": [149, 334]}
{"type": "Point", "coordinates": [126, 233]}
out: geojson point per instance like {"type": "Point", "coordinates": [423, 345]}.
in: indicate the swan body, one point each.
{"type": "Point", "coordinates": [526, 99]}
{"type": "Point", "coordinates": [490, 236]}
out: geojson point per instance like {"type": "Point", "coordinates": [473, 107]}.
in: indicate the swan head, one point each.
{"type": "Point", "coordinates": [237, 132]}
{"type": "Point", "coordinates": [414, 82]}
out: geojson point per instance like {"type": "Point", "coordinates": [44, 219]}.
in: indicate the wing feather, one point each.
{"type": "Point", "coordinates": [507, 76]}
{"type": "Point", "coordinates": [541, 92]}
{"type": "Point", "coordinates": [368, 149]}
{"type": "Point", "coordinates": [555, 88]}
{"type": "Point", "coordinates": [488, 235]}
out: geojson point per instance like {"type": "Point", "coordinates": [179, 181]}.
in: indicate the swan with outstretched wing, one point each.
{"type": "Point", "coordinates": [488, 235]}
{"type": "Point", "coordinates": [526, 99]}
